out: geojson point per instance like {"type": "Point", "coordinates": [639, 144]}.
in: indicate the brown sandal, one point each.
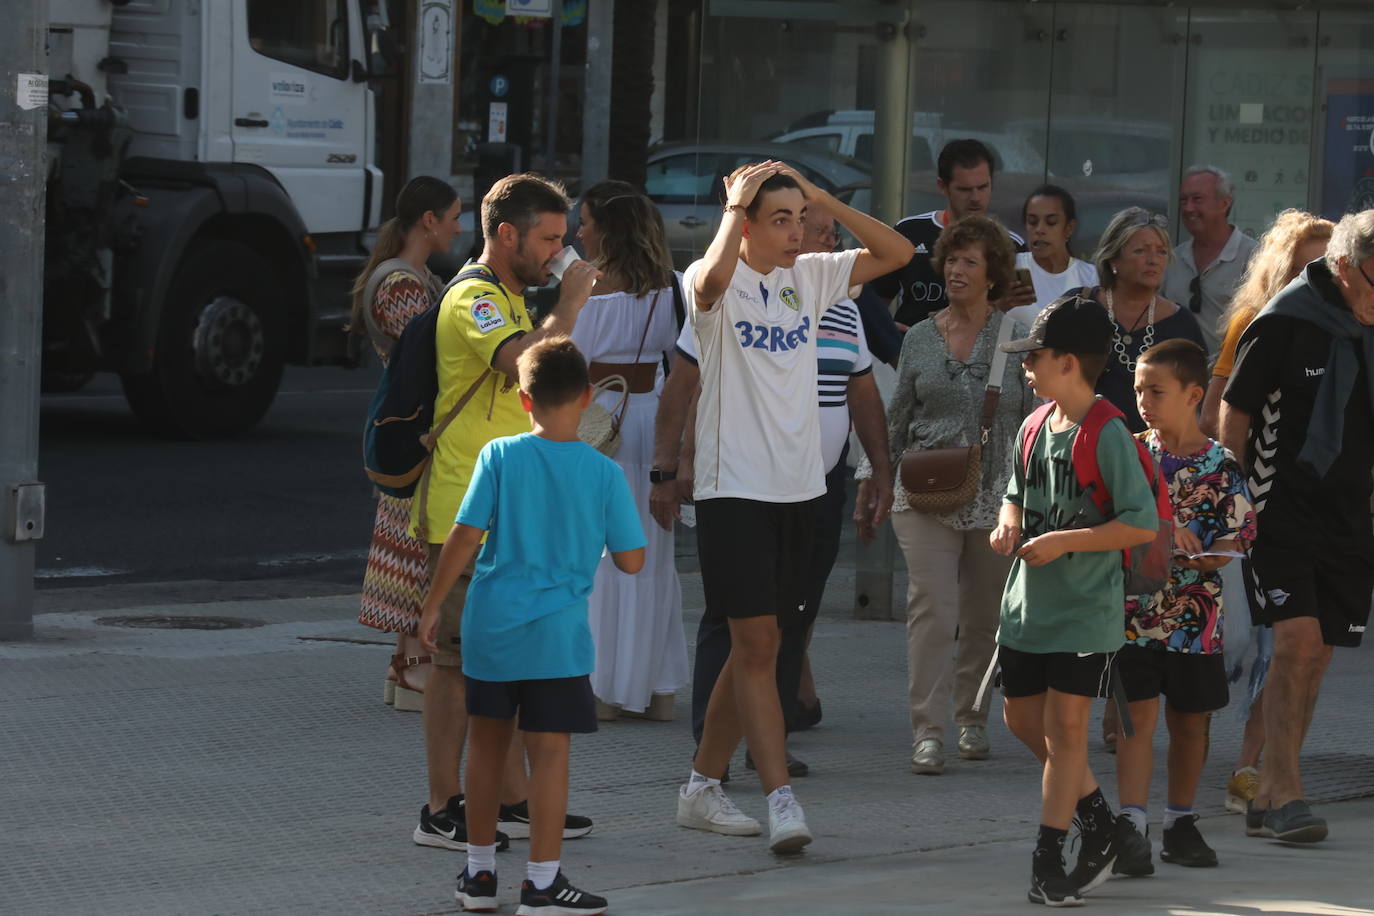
{"type": "Point", "coordinates": [399, 692]}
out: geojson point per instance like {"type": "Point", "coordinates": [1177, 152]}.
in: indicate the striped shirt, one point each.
{"type": "Point", "coordinates": [841, 353]}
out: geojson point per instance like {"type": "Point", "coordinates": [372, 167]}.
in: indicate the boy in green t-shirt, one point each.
{"type": "Point", "coordinates": [1061, 610]}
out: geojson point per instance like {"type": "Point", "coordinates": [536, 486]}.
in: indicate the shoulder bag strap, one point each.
{"type": "Point", "coordinates": [993, 392]}
{"type": "Point", "coordinates": [429, 440]}
{"type": "Point", "coordinates": [643, 336]}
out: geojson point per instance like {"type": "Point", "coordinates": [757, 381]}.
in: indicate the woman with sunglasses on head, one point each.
{"type": "Point", "coordinates": [1131, 261]}
{"type": "Point", "coordinates": [1050, 217]}
{"type": "Point", "coordinates": [955, 578]}
{"type": "Point", "coordinates": [626, 327]}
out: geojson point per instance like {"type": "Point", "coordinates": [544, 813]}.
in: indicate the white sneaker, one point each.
{"type": "Point", "coordinates": [709, 808]}
{"type": "Point", "coordinates": [787, 831]}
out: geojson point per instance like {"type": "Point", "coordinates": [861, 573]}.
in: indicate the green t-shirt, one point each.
{"type": "Point", "coordinates": [1075, 603]}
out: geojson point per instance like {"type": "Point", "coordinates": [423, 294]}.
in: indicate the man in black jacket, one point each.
{"type": "Point", "coordinates": [1299, 414]}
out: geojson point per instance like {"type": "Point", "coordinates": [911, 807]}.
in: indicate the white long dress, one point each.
{"type": "Point", "coordinates": [636, 621]}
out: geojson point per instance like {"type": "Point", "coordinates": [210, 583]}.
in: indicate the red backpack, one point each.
{"type": "Point", "coordinates": [1145, 567]}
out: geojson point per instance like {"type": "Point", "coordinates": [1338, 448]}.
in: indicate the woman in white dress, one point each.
{"type": "Point", "coordinates": [626, 329]}
{"type": "Point", "coordinates": [1050, 217]}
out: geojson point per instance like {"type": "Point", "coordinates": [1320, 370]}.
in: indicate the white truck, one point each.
{"type": "Point", "coordinates": [211, 179]}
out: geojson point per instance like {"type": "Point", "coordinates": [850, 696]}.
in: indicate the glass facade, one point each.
{"type": "Point", "coordinates": [1110, 100]}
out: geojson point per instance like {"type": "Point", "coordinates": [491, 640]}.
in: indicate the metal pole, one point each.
{"type": "Point", "coordinates": [23, 137]}
{"type": "Point", "coordinates": [892, 123]}
{"type": "Point", "coordinates": [873, 564]}
{"type": "Point", "coordinates": [596, 97]}
{"type": "Point", "coordinates": [555, 65]}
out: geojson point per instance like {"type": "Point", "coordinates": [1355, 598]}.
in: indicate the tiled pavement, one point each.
{"type": "Point", "coordinates": [256, 771]}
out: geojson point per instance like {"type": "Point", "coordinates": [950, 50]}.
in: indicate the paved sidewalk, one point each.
{"type": "Point", "coordinates": [256, 771]}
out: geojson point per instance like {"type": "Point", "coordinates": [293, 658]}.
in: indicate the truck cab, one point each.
{"type": "Point", "coordinates": [211, 182]}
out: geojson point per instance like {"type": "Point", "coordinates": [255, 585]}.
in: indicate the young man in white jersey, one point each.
{"type": "Point", "coordinates": [755, 305]}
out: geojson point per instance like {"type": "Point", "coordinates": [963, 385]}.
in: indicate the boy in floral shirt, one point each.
{"type": "Point", "coordinates": [1173, 637]}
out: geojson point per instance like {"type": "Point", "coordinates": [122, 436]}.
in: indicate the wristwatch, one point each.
{"type": "Point", "coordinates": [657, 475]}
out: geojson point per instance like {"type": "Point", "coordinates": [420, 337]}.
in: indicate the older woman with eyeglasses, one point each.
{"type": "Point", "coordinates": [955, 578]}
{"type": "Point", "coordinates": [1131, 260]}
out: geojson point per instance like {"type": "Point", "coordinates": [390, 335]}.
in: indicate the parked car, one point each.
{"type": "Point", "coordinates": [1133, 154]}
{"type": "Point", "coordinates": [684, 180]}
{"type": "Point", "coordinates": [850, 133]}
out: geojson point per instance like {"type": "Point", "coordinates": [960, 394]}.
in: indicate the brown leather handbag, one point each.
{"type": "Point", "coordinates": [943, 479]}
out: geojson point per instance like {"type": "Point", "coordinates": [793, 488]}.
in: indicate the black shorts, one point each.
{"type": "Point", "coordinates": [559, 704]}
{"type": "Point", "coordinates": [1026, 674]}
{"type": "Point", "coordinates": [1190, 682]}
{"type": "Point", "coordinates": [755, 556]}
{"type": "Point", "coordinates": [1285, 584]}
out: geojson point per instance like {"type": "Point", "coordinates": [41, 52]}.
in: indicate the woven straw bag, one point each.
{"type": "Point", "coordinates": [599, 427]}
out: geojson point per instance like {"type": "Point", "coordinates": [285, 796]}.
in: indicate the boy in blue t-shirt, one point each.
{"type": "Point", "coordinates": [549, 505]}
{"type": "Point", "coordinates": [1174, 637]}
{"type": "Point", "coordinates": [1060, 624]}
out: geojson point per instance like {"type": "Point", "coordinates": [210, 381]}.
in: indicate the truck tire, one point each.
{"type": "Point", "coordinates": [221, 346]}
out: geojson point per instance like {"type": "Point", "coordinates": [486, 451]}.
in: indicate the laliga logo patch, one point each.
{"type": "Point", "coordinates": [789, 298]}
{"type": "Point", "coordinates": [486, 316]}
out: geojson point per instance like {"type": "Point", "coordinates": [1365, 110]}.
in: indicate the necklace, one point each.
{"type": "Point", "coordinates": [1121, 337]}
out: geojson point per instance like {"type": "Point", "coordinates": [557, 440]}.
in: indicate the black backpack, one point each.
{"type": "Point", "coordinates": [400, 434]}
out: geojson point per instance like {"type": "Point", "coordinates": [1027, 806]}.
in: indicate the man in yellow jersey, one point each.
{"type": "Point", "coordinates": [483, 328]}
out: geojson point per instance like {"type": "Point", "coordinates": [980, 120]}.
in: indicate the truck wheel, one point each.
{"type": "Point", "coordinates": [221, 346]}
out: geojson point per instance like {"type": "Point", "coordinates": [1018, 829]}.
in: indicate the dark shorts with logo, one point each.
{"type": "Point", "coordinates": [558, 704]}
{"type": "Point", "coordinates": [1189, 682]}
{"type": "Point", "coordinates": [1285, 584]}
{"type": "Point", "coordinates": [755, 556]}
{"type": "Point", "coordinates": [1026, 674]}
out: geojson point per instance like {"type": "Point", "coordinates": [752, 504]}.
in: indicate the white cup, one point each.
{"type": "Point", "coordinates": [562, 261]}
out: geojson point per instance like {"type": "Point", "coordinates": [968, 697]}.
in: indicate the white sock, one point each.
{"type": "Point", "coordinates": [481, 858]}
{"type": "Point", "coordinates": [541, 874]}
{"type": "Point", "coordinates": [779, 797]}
{"type": "Point", "coordinates": [1172, 814]}
{"type": "Point", "coordinates": [698, 782]}
{"type": "Point", "coordinates": [1138, 815]}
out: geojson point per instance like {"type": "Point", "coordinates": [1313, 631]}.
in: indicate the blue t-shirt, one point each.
{"type": "Point", "coordinates": [549, 509]}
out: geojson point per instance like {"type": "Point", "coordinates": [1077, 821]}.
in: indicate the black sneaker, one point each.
{"type": "Point", "coordinates": [796, 767]}
{"type": "Point", "coordinates": [559, 899]}
{"type": "Point", "coordinates": [1096, 856]}
{"type": "Point", "coordinates": [514, 820]}
{"type": "Point", "coordinates": [1184, 845]}
{"type": "Point", "coordinates": [1295, 823]}
{"type": "Point", "coordinates": [1053, 890]}
{"type": "Point", "coordinates": [476, 893]}
{"type": "Point", "coordinates": [1254, 821]}
{"type": "Point", "coordinates": [1132, 850]}
{"type": "Point", "coordinates": [448, 829]}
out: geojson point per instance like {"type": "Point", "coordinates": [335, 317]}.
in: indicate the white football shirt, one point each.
{"type": "Point", "coordinates": [758, 426]}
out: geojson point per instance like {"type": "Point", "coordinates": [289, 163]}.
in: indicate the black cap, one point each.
{"type": "Point", "coordinates": [1073, 324]}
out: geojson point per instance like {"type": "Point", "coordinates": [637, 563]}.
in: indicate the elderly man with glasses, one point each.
{"type": "Point", "coordinates": [1206, 270]}
{"type": "Point", "coordinates": [1298, 412]}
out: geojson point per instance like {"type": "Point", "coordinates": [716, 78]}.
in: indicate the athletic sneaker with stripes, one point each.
{"type": "Point", "coordinates": [558, 899]}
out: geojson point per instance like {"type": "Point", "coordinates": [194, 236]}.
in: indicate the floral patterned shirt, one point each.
{"type": "Point", "coordinates": [1210, 498]}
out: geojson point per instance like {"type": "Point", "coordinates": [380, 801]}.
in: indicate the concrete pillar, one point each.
{"type": "Point", "coordinates": [430, 150]}
{"type": "Point", "coordinates": [596, 99]}
{"type": "Point", "coordinates": [23, 167]}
